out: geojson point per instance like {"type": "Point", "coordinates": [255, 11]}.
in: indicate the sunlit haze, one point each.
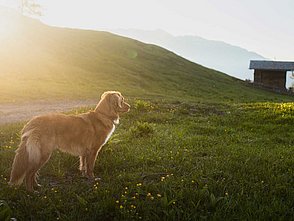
{"type": "Point", "coordinates": [263, 26]}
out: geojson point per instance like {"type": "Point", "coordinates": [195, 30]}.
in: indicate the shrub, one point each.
{"type": "Point", "coordinates": [142, 129]}
{"type": "Point", "coordinates": [141, 105]}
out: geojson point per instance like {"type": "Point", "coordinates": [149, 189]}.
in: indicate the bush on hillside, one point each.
{"type": "Point", "coordinates": [142, 129]}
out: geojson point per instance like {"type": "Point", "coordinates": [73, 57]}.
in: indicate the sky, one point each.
{"type": "Point", "coordinates": [262, 26]}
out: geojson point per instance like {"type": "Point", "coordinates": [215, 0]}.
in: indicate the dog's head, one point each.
{"type": "Point", "coordinates": [112, 104]}
{"type": "Point", "coordinates": [116, 101]}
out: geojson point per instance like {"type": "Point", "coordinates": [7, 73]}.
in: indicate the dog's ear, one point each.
{"type": "Point", "coordinates": [115, 100]}
{"type": "Point", "coordinates": [119, 101]}
{"type": "Point", "coordinates": [104, 94]}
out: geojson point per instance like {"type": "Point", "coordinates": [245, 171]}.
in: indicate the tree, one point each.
{"type": "Point", "coordinates": [30, 7]}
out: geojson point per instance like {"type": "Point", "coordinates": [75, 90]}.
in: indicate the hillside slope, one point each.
{"type": "Point", "coordinates": [42, 62]}
{"type": "Point", "coordinates": [218, 55]}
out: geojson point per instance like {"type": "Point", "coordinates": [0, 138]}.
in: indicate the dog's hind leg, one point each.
{"type": "Point", "coordinates": [31, 176]}
{"type": "Point", "coordinates": [30, 179]}
{"type": "Point", "coordinates": [35, 181]}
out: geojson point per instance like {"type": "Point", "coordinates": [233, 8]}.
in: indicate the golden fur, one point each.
{"type": "Point", "coordinates": [81, 135]}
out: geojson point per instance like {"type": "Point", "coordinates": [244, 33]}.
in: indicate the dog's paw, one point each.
{"type": "Point", "coordinates": [97, 179]}
{"type": "Point", "coordinates": [35, 192]}
{"type": "Point", "coordinates": [93, 179]}
{"type": "Point", "coordinates": [37, 185]}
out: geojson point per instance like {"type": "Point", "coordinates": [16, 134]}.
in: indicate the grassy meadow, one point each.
{"type": "Point", "coordinates": [170, 161]}
{"type": "Point", "coordinates": [196, 145]}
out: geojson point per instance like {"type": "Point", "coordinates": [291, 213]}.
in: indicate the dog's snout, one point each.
{"type": "Point", "coordinates": [128, 107]}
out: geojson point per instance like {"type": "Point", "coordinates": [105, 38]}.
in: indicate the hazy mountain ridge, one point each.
{"type": "Point", "coordinates": [218, 55]}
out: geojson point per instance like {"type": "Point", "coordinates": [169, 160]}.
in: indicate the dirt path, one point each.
{"type": "Point", "coordinates": [10, 113]}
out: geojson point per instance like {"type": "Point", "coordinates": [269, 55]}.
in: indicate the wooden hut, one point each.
{"type": "Point", "coordinates": [271, 74]}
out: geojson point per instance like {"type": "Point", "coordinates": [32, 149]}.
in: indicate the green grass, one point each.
{"type": "Point", "coordinates": [171, 161]}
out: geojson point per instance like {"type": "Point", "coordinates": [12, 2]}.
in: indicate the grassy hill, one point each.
{"type": "Point", "coordinates": [217, 55]}
{"type": "Point", "coordinates": [196, 145]}
{"type": "Point", "coordinates": [41, 62]}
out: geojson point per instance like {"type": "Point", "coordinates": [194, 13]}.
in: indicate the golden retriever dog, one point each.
{"type": "Point", "coordinates": [81, 135]}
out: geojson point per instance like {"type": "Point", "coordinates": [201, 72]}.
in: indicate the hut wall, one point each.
{"type": "Point", "coordinates": [269, 78]}
{"type": "Point", "coordinates": [257, 76]}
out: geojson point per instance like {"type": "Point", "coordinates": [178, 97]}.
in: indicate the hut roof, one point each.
{"type": "Point", "coordinates": [272, 65]}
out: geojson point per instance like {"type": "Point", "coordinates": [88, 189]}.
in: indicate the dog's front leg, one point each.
{"type": "Point", "coordinates": [90, 159]}
{"type": "Point", "coordinates": [83, 164]}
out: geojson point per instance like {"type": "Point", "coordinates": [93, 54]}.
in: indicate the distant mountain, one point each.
{"type": "Point", "coordinates": [217, 55]}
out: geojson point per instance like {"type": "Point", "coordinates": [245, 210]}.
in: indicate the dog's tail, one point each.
{"type": "Point", "coordinates": [27, 155]}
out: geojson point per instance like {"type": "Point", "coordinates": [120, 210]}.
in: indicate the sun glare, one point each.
{"type": "Point", "coordinates": [3, 29]}
{"type": "Point", "coordinates": [8, 26]}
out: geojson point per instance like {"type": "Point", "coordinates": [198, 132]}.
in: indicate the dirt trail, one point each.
{"type": "Point", "coordinates": [10, 113]}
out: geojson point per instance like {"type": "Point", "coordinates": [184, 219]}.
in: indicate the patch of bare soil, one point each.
{"type": "Point", "coordinates": [11, 113]}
